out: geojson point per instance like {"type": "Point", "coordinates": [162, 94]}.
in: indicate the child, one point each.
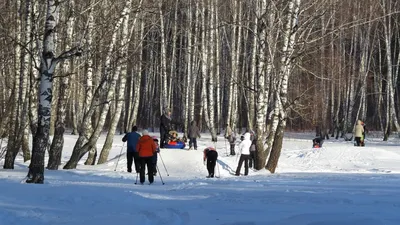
{"type": "Point", "coordinates": [317, 142]}
{"type": "Point", "coordinates": [211, 155]}
{"type": "Point", "coordinates": [253, 154]}
{"type": "Point", "coordinates": [154, 158]}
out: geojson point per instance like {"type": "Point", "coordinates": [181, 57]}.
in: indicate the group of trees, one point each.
{"type": "Point", "coordinates": [267, 66]}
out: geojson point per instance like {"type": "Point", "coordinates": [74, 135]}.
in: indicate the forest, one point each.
{"type": "Point", "coordinates": [95, 67]}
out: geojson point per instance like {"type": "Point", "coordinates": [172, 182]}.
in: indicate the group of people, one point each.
{"type": "Point", "coordinates": [142, 151]}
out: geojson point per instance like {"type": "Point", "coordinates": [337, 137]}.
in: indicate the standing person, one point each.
{"type": "Point", "coordinates": [244, 150]}
{"type": "Point", "coordinates": [194, 132]}
{"type": "Point", "coordinates": [131, 153]}
{"type": "Point", "coordinates": [253, 154]}
{"type": "Point", "coordinates": [232, 143]}
{"type": "Point", "coordinates": [231, 139]}
{"type": "Point", "coordinates": [146, 148]}
{"type": "Point", "coordinates": [155, 157]}
{"type": "Point", "coordinates": [165, 126]}
{"type": "Point", "coordinates": [210, 155]}
{"type": "Point", "coordinates": [358, 132]}
{"type": "Point", "coordinates": [362, 142]}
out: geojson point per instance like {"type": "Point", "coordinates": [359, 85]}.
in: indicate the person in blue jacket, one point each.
{"type": "Point", "coordinates": [131, 154]}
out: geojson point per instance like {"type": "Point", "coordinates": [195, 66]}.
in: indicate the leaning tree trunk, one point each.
{"type": "Point", "coordinates": [122, 70]}
{"type": "Point", "coordinates": [47, 68]}
{"type": "Point", "coordinates": [289, 35]}
{"type": "Point", "coordinates": [79, 150]}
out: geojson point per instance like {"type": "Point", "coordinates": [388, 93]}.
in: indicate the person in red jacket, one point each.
{"type": "Point", "coordinates": [146, 148]}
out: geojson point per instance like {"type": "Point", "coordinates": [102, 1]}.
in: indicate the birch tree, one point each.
{"type": "Point", "coordinates": [47, 67]}
{"type": "Point", "coordinates": [81, 149]}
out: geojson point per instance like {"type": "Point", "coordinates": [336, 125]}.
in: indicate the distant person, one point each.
{"type": "Point", "coordinates": [155, 157]}
{"type": "Point", "coordinates": [210, 155]}
{"type": "Point", "coordinates": [165, 127]}
{"type": "Point", "coordinates": [194, 133]}
{"type": "Point", "coordinates": [362, 141]}
{"type": "Point", "coordinates": [317, 142]}
{"type": "Point", "coordinates": [230, 135]}
{"type": "Point", "coordinates": [146, 148]}
{"type": "Point", "coordinates": [131, 154]}
{"type": "Point", "coordinates": [253, 154]}
{"type": "Point", "coordinates": [358, 133]}
{"type": "Point", "coordinates": [244, 150]}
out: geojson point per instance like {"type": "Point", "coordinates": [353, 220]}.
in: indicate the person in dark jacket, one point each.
{"type": "Point", "coordinates": [210, 155]}
{"type": "Point", "coordinates": [131, 153]}
{"type": "Point", "coordinates": [146, 147]}
{"type": "Point", "coordinates": [194, 132]}
{"type": "Point", "coordinates": [253, 154]}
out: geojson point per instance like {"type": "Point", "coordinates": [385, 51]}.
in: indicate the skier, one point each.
{"type": "Point", "coordinates": [194, 132]}
{"type": "Point", "coordinates": [155, 158]}
{"type": "Point", "coordinates": [244, 150]}
{"type": "Point", "coordinates": [211, 155]}
{"type": "Point", "coordinates": [358, 133]}
{"type": "Point", "coordinates": [131, 153]}
{"type": "Point", "coordinates": [146, 148]}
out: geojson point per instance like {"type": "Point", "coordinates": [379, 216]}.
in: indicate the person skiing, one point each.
{"type": "Point", "coordinates": [358, 132]}
{"type": "Point", "coordinates": [131, 153]}
{"type": "Point", "coordinates": [146, 147]}
{"type": "Point", "coordinates": [155, 157]}
{"type": "Point", "coordinates": [244, 151]}
{"type": "Point", "coordinates": [194, 132]}
{"type": "Point", "coordinates": [210, 155]}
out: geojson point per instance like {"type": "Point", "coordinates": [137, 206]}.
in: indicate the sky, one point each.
{"type": "Point", "coordinates": [336, 184]}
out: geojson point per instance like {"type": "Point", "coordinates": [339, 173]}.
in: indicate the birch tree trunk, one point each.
{"type": "Point", "coordinates": [63, 95]}
{"type": "Point", "coordinates": [163, 66]}
{"type": "Point", "coordinates": [286, 66]}
{"type": "Point", "coordinates": [81, 149]}
{"type": "Point", "coordinates": [14, 143]}
{"type": "Point", "coordinates": [47, 68]}
{"type": "Point", "coordinates": [122, 70]}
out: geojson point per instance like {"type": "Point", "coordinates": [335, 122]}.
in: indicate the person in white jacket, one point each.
{"type": "Point", "coordinates": [244, 150]}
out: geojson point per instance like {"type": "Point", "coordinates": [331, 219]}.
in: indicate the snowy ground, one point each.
{"type": "Point", "coordinates": [338, 184]}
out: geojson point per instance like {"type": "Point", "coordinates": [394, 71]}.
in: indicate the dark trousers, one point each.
{"type": "Point", "coordinates": [133, 157]}
{"type": "Point", "coordinates": [154, 162]}
{"type": "Point", "coordinates": [252, 160]}
{"type": "Point", "coordinates": [358, 141]}
{"type": "Point", "coordinates": [244, 158]}
{"type": "Point", "coordinates": [212, 157]}
{"type": "Point", "coordinates": [149, 162]}
{"type": "Point", "coordinates": [233, 149]}
{"type": "Point", "coordinates": [163, 138]}
{"type": "Point", "coordinates": [193, 141]}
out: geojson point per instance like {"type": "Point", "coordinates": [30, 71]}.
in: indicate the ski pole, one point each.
{"type": "Point", "coordinates": [219, 175]}
{"type": "Point", "coordinates": [160, 175]}
{"type": "Point", "coordinates": [163, 164]}
{"type": "Point", "coordinates": [137, 174]}
{"type": "Point", "coordinates": [119, 156]}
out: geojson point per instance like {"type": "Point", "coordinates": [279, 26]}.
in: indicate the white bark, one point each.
{"type": "Point", "coordinates": [79, 151]}
{"type": "Point", "coordinates": [163, 60]}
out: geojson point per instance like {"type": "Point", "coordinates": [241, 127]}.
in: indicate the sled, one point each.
{"type": "Point", "coordinates": [175, 144]}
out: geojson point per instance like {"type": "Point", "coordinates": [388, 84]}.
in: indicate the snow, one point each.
{"type": "Point", "coordinates": [337, 184]}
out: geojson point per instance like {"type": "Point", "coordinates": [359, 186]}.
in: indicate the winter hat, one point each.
{"type": "Point", "coordinates": [145, 132]}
